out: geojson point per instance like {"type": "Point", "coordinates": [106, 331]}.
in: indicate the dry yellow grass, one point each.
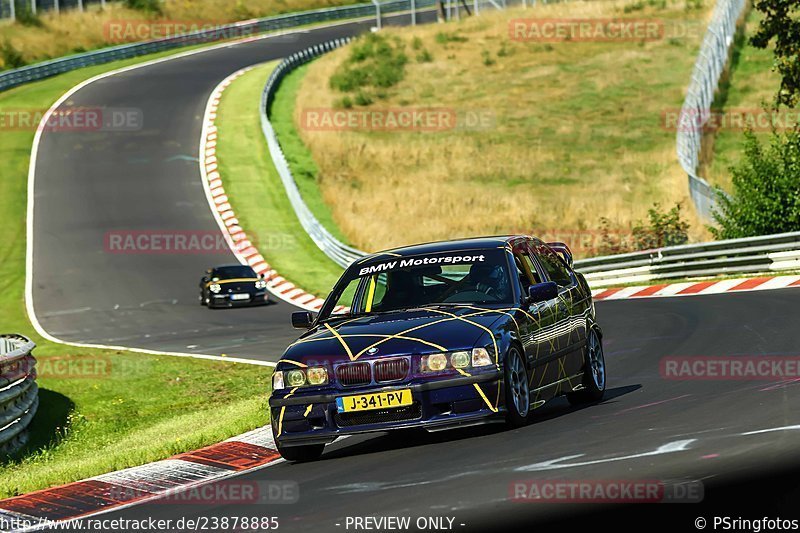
{"type": "Point", "coordinates": [72, 31]}
{"type": "Point", "coordinates": [576, 132]}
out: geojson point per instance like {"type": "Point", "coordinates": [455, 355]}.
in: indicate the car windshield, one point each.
{"type": "Point", "coordinates": [231, 272]}
{"type": "Point", "coordinates": [449, 278]}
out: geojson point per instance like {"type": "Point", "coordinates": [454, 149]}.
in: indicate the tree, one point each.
{"type": "Point", "coordinates": [766, 189]}
{"type": "Point", "coordinates": [781, 23]}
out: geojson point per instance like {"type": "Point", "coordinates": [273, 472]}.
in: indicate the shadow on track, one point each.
{"type": "Point", "coordinates": [410, 438]}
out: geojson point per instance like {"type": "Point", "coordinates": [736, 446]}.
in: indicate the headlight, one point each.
{"type": "Point", "coordinates": [295, 378]}
{"type": "Point", "coordinates": [277, 380]}
{"type": "Point", "coordinates": [459, 359]}
{"type": "Point", "coordinates": [215, 287]}
{"type": "Point", "coordinates": [480, 357]}
{"type": "Point", "coordinates": [261, 284]}
{"type": "Point", "coordinates": [434, 363]}
{"type": "Point", "coordinates": [317, 375]}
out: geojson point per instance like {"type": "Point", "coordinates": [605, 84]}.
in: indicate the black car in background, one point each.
{"type": "Point", "coordinates": [233, 285]}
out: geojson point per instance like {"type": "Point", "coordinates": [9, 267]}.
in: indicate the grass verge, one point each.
{"type": "Point", "coordinates": [548, 136]}
{"type": "Point", "coordinates": [255, 190]}
{"type": "Point", "coordinates": [139, 408]}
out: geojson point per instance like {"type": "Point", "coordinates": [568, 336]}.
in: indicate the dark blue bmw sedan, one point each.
{"type": "Point", "coordinates": [437, 336]}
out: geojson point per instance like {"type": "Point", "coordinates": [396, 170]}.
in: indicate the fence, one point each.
{"type": "Point", "coordinates": [19, 397]}
{"type": "Point", "coordinates": [768, 253]}
{"type": "Point", "coordinates": [10, 9]}
{"type": "Point", "coordinates": [13, 78]}
{"type": "Point", "coordinates": [708, 68]}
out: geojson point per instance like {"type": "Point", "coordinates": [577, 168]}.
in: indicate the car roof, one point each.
{"type": "Point", "coordinates": [233, 265]}
{"type": "Point", "coordinates": [472, 243]}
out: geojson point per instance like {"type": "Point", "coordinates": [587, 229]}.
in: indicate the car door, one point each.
{"type": "Point", "coordinates": [538, 327]}
{"type": "Point", "coordinates": [567, 332]}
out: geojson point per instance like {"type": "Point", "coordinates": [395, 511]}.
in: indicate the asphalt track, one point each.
{"type": "Point", "coordinates": [647, 428]}
{"type": "Point", "coordinates": [93, 185]}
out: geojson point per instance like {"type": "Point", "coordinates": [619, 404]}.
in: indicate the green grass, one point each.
{"type": "Point", "coordinates": [255, 190]}
{"type": "Point", "coordinates": [304, 169]}
{"type": "Point", "coordinates": [146, 407]}
{"type": "Point", "coordinates": [751, 84]}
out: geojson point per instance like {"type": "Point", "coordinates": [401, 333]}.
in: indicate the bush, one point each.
{"type": "Point", "coordinates": [445, 37]}
{"type": "Point", "coordinates": [26, 17]}
{"type": "Point", "coordinates": [424, 56]}
{"type": "Point", "coordinates": [375, 62]}
{"type": "Point", "coordinates": [662, 229]}
{"type": "Point", "coordinates": [766, 189]}
{"type": "Point", "coordinates": [11, 56]}
{"type": "Point", "coordinates": [149, 6]}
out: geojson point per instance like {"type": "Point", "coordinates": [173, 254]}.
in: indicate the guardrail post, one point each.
{"type": "Point", "coordinates": [56, 6]}
{"type": "Point", "coordinates": [13, 9]}
{"type": "Point", "coordinates": [377, 13]}
{"type": "Point", "coordinates": [33, 6]}
{"type": "Point", "coordinates": [413, 12]}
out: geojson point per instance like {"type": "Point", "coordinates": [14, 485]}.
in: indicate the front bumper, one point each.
{"type": "Point", "coordinates": [312, 418]}
{"type": "Point", "coordinates": [258, 297]}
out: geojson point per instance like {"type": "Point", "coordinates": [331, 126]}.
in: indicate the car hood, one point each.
{"type": "Point", "coordinates": [236, 286]}
{"type": "Point", "coordinates": [397, 333]}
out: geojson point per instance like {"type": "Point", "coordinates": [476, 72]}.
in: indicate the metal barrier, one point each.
{"type": "Point", "coordinates": [19, 397]}
{"type": "Point", "coordinates": [708, 68]}
{"type": "Point", "coordinates": [340, 253]}
{"type": "Point", "coordinates": [13, 78]}
{"type": "Point", "coordinates": [768, 253]}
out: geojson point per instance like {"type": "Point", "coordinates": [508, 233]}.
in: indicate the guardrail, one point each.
{"type": "Point", "coordinates": [340, 253]}
{"type": "Point", "coordinates": [19, 397]}
{"type": "Point", "coordinates": [768, 253]}
{"type": "Point", "coordinates": [708, 68]}
{"type": "Point", "coordinates": [13, 78]}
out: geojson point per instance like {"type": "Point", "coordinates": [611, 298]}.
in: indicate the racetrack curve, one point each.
{"type": "Point", "coordinates": [646, 428]}
{"type": "Point", "coordinates": [89, 185]}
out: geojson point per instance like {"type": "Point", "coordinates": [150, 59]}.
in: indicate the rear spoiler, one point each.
{"type": "Point", "coordinates": [563, 250]}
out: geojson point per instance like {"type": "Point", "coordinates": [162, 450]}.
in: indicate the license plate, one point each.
{"type": "Point", "coordinates": [378, 400]}
{"type": "Point", "coordinates": [240, 296]}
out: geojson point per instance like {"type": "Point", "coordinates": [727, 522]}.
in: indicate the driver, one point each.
{"type": "Point", "coordinates": [490, 280]}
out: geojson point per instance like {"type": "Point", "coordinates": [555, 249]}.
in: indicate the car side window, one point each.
{"type": "Point", "coordinates": [556, 270]}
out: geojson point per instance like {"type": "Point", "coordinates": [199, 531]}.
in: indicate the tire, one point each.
{"type": "Point", "coordinates": [594, 372]}
{"type": "Point", "coordinates": [298, 454]}
{"type": "Point", "coordinates": [516, 390]}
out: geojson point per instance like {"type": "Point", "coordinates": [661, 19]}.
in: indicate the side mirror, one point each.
{"type": "Point", "coordinates": [563, 250]}
{"type": "Point", "coordinates": [302, 319]}
{"type": "Point", "coordinates": [262, 276]}
{"type": "Point", "coordinates": [540, 292]}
